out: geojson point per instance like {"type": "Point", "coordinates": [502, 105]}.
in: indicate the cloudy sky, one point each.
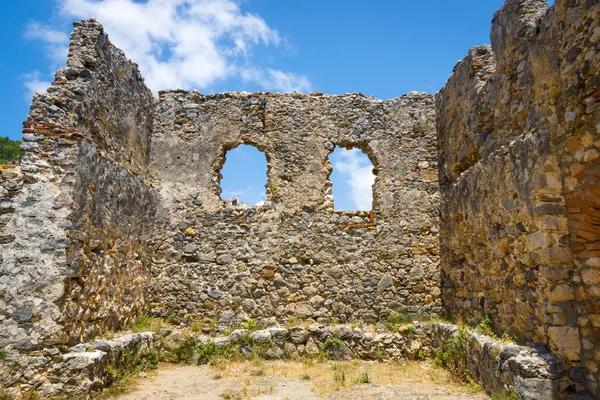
{"type": "Point", "coordinates": [382, 48]}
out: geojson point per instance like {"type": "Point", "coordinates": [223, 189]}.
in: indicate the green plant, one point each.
{"type": "Point", "coordinates": [453, 356]}
{"type": "Point", "coordinates": [486, 326]}
{"type": "Point", "coordinates": [306, 377]}
{"type": "Point", "coordinates": [111, 372]}
{"type": "Point", "coordinates": [196, 325]}
{"type": "Point", "coordinates": [339, 373]}
{"type": "Point", "coordinates": [149, 324]}
{"type": "Point", "coordinates": [258, 372]}
{"type": "Point", "coordinates": [151, 360]}
{"type": "Point", "coordinates": [251, 325]}
{"type": "Point", "coordinates": [410, 332]}
{"type": "Point", "coordinates": [273, 188]}
{"type": "Point", "coordinates": [363, 378]}
{"type": "Point", "coordinates": [121, 372]}
{"type": "Point", "coordinates": [183, 353]}
{"type": "Point", "coordinates": [506, 394]}
{"type": "Point", "coordinates": [293, 320]}
{"type": "Point", "coordinates": [31, 394]}
{"type": "Point", "coordinates": [331, 344]}
{"type": "Point", "coordinates": [510, 337]}
{"type": "Point", "coordinates": [3, 354]}
{"type": "Point", "coordinates": [206, 351]}
{"type": "Point", "coordinates": [474, 387]}
{"type": "Point", "coordinates": [393, 322]}
{"type": "Point", "coordinates": [9, 149]}
{"type": "Point", "coordinates": [259, 352]}
{"type": "Point", "coordinates": [497, 371]}
{"type": "Point", "coordinates": [494, 351]}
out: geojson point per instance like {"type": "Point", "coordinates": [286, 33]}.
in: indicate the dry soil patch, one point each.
{"type": "Point", "coordinates": [301, 381]}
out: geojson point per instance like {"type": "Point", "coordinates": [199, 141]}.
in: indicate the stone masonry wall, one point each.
{"type": "Point", "coordinates": [295, 257]}
{"type": "Point", "coordinates": [75, 217]}
{"type": "Point", "coordinates": [115, 210]}
{"type": "Point", "coordinates": [81, 371]}
{"type": "Point", "coordinates": [518, 144]}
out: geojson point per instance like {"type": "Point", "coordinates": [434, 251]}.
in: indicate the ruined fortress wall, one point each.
{"type": "Point", "coordinates": [518, 130]}
{"type": "Point", "coordinates": [75, 218]}
{"type": "Point", "coordinates": [295, 257]}
{"type": "Point", "coordinates": [116, 209]}
{"type": "Point", "coordinates": [88, 243]}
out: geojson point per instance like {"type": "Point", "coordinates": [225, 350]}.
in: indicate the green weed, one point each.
{"type": "Point", "coordinates": [149, 324]}
{"type": "Point", "coordinates": [251, 325]}
{"type": "Point", "coordinates": [363, 378]}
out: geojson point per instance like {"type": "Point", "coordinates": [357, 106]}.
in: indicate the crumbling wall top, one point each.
{"type": "Point", "coordinates": [99, 96]}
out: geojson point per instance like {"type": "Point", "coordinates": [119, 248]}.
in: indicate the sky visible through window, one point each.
{"type": "Point", "coordinates": [244, 175]}
{"type": "Point", "coordinates": [352, 178]}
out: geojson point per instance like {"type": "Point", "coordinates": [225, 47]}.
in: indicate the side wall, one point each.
{"type": "Point", "coordinates": [77, 215]}
{"type": "Point", "coordinates": [518, 133]}
{"type": "Point", "coordinates": [295, 257]}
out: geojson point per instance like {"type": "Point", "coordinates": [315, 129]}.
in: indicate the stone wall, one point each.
{"type": "Point", "coordinates": [116, 209]}
{"type": "Point", "coordinates": [75, 217]}
{"type": "Point", "coordinates": [500, 367]}
{"type": "Point", "coordinates": [295, 257]}
{"type": "Point", "coordinates": [518, 144]}
{"type": "Point", "coordinates": [82, 370]}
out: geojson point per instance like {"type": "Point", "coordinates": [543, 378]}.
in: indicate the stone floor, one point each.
{"type": "Point", "coordinates": [301, 381]}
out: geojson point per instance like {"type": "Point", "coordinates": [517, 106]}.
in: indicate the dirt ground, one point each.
{"type": "Point", "coordinates": [279, 380]}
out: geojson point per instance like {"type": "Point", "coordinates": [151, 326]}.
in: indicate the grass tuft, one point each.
{"type": "Point", "coordinates": [149, 324]}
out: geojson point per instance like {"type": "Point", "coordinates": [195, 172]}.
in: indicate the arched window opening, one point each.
{"type": "Point", "coordinates": [352, 179]}
{"type": "Point", "coordinates": [244, 176]}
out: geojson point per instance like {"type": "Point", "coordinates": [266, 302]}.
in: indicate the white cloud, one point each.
{"type": "Point", "coordinates": [359, 171]}
{"type": "Point", "coordinates": [182, 43]}
{"type": "Point", "coordinates": [276, 80]}
{"type": "Point", "coordinates": [229, 193]}
{"type": "Point", "coordinates": [56, 41]}
{"type": "Point", "coordinates": [35, 83]}
{"type": "Point", "coordinates": [38, 31]}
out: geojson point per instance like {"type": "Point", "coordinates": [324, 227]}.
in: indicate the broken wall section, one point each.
{"type": "Point", "coordinates": [518, 134]}
{"type": "Point", "coordinates": [80, 213]}
{"type": "Point", "coordinates": [295, 258]}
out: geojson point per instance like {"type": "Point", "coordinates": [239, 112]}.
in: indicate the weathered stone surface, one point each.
{"type": "Point", "coordinates": [82, 372]}
{"type": "Point", "coordinates": [518, 135]}
{"type": "Point", "coordinates": [531, 373]}
{"type": "Point", "coordinates": [74, 374]}
{"type": "Point", "coordinates": [263, 336]}
{"type": "Point", "coordinates": [295, 256]}
{"type": "Point", "coordinates": [80, 214]}
{"type": "Point", "coordinates": [298, 335]}
{"type": "Point", "coordinates": [566, 340]}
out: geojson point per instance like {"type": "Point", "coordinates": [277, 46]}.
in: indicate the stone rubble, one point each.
{"type": "Point", "coordinates": [87, 368]}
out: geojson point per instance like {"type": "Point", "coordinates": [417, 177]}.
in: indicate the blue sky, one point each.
{"type": "Point", "coordinates": [382, 48]}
